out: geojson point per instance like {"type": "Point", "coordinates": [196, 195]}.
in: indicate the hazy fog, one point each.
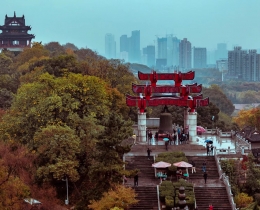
{"type": "Point", "coordinates": [85, 23]}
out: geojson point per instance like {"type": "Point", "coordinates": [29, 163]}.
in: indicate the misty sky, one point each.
{"type": "Point", "coordinates": [85, 22]}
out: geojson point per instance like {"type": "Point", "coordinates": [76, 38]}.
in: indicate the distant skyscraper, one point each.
{"type": "Point", "coordinates": [185, 55]}
{"type": "Point", "coordinates": [252, 71]}
{"type": "Point", "coordinates": [134, 47]}
{"type": "Point", "coordinates": [162, 48]}
{"type": "Point", "coordinates": [236, 62]}
{"type": "Point", "coordinates": [172, 51]}
{"type": "Point", "coordinates": [124, 43]}
{"type": "Point", "coordinates": [149, 53]}
{"type": "Point", "coordinates": [131, 45]}
{"type": "Point", "coordinates": [110, 46]}
{"type": "Point", "coordinates": [199, 58]}
{"type": "Point", "coordinates": [221, 52]}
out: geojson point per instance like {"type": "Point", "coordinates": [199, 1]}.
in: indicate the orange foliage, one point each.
{"type": "Point", "coordinates": [248, 118]}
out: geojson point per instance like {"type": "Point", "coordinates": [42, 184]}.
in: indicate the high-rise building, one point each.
{"type": "Point", "coordinates": [124, 43]}
{"type": "Point", "coordinates": [162, 48]}
{"type": "Point", "coordinates": [131, 46]}
{"type": "Point", "coordinates": [199, 58]}
{"type": "Point", "coordinates": [149, 54]}
{"type": "Point", "coordinates": [134, 47]}
{"type": "Point", "coordinates": [244, 65]}
{"type": "Point", "coordinates": [161, 60]}
{"type": "Point", "coordinates": [252, 69]}
{"type": "Point", "coordinates": [185, 55]}
{"type": "Point", "coordinates": [236, 62]}
{"type": "Point", "coordinates": [172, 51]}
{"type": "Point", "coordinates": [110, 46]}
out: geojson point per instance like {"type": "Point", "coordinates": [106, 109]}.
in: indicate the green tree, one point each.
{"type": "Point", "coordinates": [57, 149]}
{"type": "Point", "coordinates": [5, 64]}
{"type": "Point", "coordinates": [36, 51]}
{"type": "Point", "coordinates": [50, 100]}
{"type": "Point", "coordinates": [217, 97]}
{"type": "Point", "coordinates": [55, 49]}
{"type": "Point", "coordinates": [253, 176]}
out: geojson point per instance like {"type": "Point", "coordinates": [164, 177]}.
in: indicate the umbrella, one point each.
{"type": "Point", "coordinates": [208, 141]}
{"type": "Point", "coordinates": [161, 164]}
{"type": "Point", "coordinates": [182, 164]}
{"type": "Point", "coordinates": [201, 129]}
{"type": "Point", "coordinates": [166, 139]}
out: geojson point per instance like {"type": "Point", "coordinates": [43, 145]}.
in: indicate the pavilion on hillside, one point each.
{"type": "Point", "coordinates": [14, 36]}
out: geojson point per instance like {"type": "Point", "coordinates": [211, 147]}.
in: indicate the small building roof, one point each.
{"type": "Point", "coordinates": [32, 201]}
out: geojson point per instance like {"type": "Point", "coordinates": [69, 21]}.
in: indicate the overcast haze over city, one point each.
{"type": "Point", "coordinates": [84, 23]}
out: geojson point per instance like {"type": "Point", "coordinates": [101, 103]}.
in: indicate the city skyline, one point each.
{"type": "Point", "coordinates": [204, 23]}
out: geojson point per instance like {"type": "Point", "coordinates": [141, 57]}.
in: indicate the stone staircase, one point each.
{"type": "Point", "coordinates": [211, 167]}
{"type": "Point", "coordinates": [147, 197]}
{"type": "Point", "coordinates": [214, 192]}
{"type": "Point", "coordinates": [217, 196]}
{"type": "Point", "coordinates": [146, 190]}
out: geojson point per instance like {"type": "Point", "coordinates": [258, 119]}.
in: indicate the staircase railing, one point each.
{"type": "Point", "coordinates": [194, 194]}
{"type": "Point", "coordinates": [226, 182]}
{"type": "Point", "coordinates": [158, 198]}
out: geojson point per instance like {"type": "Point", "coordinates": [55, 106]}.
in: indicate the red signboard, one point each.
{"type": "Point", "coordinates": [202, 102]}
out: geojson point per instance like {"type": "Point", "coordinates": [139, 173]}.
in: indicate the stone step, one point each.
{"type": "Point", "coordinates": [147, 197]}
{"type": "Point", "coordinates": [216, 196]}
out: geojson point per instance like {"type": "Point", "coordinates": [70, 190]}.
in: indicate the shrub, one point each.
{"type": "Point", "coordinates": [257, 198]}
{"type": "Point", "coordinates": [169, 202]}
{"type": "Point", "coordinates": [168, 189]}
{"type": "Point", "coordinates": [243, 200]}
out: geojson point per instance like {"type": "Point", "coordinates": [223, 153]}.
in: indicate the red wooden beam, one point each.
{"type": "Point", "coordinates": [166, 76]}
{"type": "Point", "coordinates": [193, 88]}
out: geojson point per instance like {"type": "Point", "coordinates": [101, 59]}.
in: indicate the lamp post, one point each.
{"type": "Point", "coordinates": [213, 120]}
{"type": "Point", "coordinates": [67, 187]}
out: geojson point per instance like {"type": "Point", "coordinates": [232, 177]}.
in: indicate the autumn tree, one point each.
{"type": "Point", "coordinates": [55, 49]}
{"type": "Point", "coordinates": [36, 51]}
{"type": "Point", "coordinates": [249, 117]}
{"type": "Point", "coordinates": [118, 197]}
{"type": "Point", "coordinates": [15, 165]}
{"type": "Point", "coordinates": [243, 200]}
{"type": "Point", "coordinates": [47, 112]}
{"type": "Point", "coordinates": [70, 46]}
{"type": "Point", "coordinates": [59, 110]}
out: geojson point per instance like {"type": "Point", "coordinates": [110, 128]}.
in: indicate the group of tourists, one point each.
{"type": "Point", "coordinates": [178, 136]}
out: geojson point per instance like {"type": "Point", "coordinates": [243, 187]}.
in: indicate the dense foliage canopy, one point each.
{"type": "Point", "coordinates": [67, 107]}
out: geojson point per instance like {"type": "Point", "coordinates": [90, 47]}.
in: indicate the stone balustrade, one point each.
{"type": "Point", "coordinates": [225, 180]}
